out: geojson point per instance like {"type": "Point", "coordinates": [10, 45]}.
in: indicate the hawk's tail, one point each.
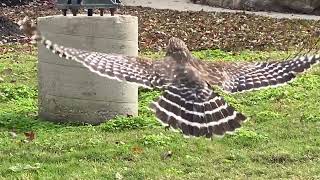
{"type": "Point", "coordinates": [197, 112]}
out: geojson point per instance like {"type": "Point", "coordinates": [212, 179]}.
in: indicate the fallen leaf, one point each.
{"type": "Point", "coordinates": [30, 136]}
{"type": "Point", "coordinates": [137, 150]}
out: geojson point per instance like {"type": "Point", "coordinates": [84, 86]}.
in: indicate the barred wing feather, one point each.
{"type": "Point", "coordinates": [239, 77]}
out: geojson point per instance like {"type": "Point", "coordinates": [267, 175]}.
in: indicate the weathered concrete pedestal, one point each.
{"type": "Point", "coordinates": [68, 92]}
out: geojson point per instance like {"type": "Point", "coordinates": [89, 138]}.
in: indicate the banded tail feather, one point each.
{"type": "Point", "coordinates": [197, 111]}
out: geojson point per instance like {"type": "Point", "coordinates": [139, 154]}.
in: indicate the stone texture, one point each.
{"type": "Point", "coordinates": [298, 6]}
{"type": "Point", "coordinates": [69, 92]}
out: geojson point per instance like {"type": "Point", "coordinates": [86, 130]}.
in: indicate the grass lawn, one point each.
{"type": "Point", "coordinates": [281, 139]}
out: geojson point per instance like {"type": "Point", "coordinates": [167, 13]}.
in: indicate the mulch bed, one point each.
{"type": "Point", "coordinates": [10, 32]}
{"type": "Point", "coordinates": [11, 3]}
{"type": "Point", "coordinates": [200, 30]}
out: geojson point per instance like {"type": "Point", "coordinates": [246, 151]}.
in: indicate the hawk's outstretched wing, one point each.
{"type": "Point", "coordinates": [238, 77]}
{"type": "Point", "coordinates": [142, 71]}
{"type": "Point", "coordinates": [190, 104]}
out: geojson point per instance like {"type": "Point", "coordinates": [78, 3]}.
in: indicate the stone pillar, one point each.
{"type": "Point", "coordinates": [68, 92]}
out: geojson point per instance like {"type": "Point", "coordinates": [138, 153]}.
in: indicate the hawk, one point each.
{"type": "Point", "coordinates": [189, 101]}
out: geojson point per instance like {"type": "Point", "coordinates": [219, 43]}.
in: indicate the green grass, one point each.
{"type": "Point", "coordinates": [280, 140]}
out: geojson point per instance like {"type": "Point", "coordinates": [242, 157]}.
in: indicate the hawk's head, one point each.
{"type": "Point", "coordinates": [178, 50]}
